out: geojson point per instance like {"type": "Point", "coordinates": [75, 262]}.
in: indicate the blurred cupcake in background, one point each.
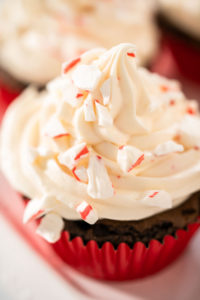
{"type": "Point", "coordinates": [36, 36]}
{"type": "Point", "coordinates": [180, 25]}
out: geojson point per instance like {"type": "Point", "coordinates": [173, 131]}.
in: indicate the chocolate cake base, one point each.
{"type": "Point", "coordinates": [169, 27]}
{"type": "Point", "coordinates": [130, 232]}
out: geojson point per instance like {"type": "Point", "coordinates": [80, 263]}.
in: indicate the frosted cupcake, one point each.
{"type": "Point", "coordinates": [36, 36]}
{"type": "Point", "coordinates": [180, 24]}
{"type": "Point", "coordinates": [109, 156]}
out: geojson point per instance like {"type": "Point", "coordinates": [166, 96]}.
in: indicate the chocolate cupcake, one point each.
{"type": "Point", "coordinates": [109, 156]}
{"type": "Point", "coordinates": [37, 36]}
{"type": "Point", "coordinates": [180, 25]}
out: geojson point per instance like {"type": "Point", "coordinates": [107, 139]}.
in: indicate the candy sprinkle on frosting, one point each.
{"type": "Point", "coordinates": [69, 65]}
{"type": "Point", "coordinates": [87, 213]}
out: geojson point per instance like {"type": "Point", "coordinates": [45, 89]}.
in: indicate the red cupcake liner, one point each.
{"type": "Point", "coordinates": [123, 263]}
{"type": "Point", "coordinates": [7, 95]}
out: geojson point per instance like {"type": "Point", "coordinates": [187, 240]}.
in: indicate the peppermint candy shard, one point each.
{"type": "Point", "coordinates": [80, 173]}
{"type": "Point", "coordinates": [33, 210]}
{"type": "Point", "coordinates": [88, 109]}
{"type": "Point", "coordinates": [37, 207]}
{"type": "Point", "coordinates": [104, 117]}
{"type": "Point", "coordinates": [105, 91]}
{"type": "Point", "coordinates": [66, 66]}
{"type": "Point", "coordinates": [99, 183]}
{"type": "Point", "coordinates": [167, 148]}
{"type": "Point", "coordinates": [158, 198]}
{"type": "Point", "coordinates": [86, 212]}
{"type": "Point", "coordinates": [86, 77]}
{"type": "Point", "coordinates": [54, 128]}
{"type": "Point", "coordinates": [70, 157]}
{"type": "Point", "coordinates": [51, 227]}
{"type": "Point", "coordinates": [129, 157]}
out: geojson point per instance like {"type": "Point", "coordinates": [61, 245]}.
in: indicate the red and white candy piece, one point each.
{"type": "Point", "coordinates": [99, 183]}
{"type": "Point", "coordinates": [157, 198]}
{"type": "Point", "coordinates": [105, 91]}
{"type": "Point", "coordinates": [37, 207]}
{"type": "Point", "coordinates": [32, 211]}
{"type": "Point", "coordinates": [88, 109]}
{"type": "Point", "coordinates": [54, 128]}
{"type": "Point", "coordinates": [86, 212]}
{"type": "Point", "coordinates": [86, 77]}
{"type": "Point", "coordinates": [189, 131]}
{"type": "Point", "coordinates": [129, 157]}
{"type": "Point", "coordinates": [70, 157]}
{"type": "Point", "coordinates": [67, 66]}
{"type": "Point", "coordinates": [80, 173]}
{"type": "Point", "coordinates": [72, 95]}
{"type": "Point", "coordinates": [167, 148]}
{"type": "Point", "coordinates": [50, 227]}
{"type": "Point", "coordinates": [104, 117]}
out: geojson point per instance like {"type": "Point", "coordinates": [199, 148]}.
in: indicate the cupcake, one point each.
{"type": "Point", "coordinates": [180, 25]}
{"type": "Point", "coordinates": [108, 157]}
{"type": "Point", "coordinates": [36, 36]}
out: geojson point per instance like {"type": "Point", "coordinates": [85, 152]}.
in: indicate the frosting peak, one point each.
{"type": "Point", "coordinates": [106, 140]}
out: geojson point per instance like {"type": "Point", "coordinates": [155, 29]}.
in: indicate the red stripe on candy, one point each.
{"type": "Point", "coordinates": [79, 95]}
{"type": "Point", "coordinates": [153, 195]}
{"type": "Point", "coordinates": [37, 214]}
{"type": "Point", "coordinates": [73, 171]}
{"type": "Point", "coordinates": [137, 163]}
{"type": "Point", "coordinates": [85, 212]}
{"type": "Point", "coordinates": [71, 65]}
{"type": "Point", "coordinates": [82, 152]}
{"type": "Point", "coordinates": [131, 54]}
{"type": "Point", "coordinates": [61, 135]}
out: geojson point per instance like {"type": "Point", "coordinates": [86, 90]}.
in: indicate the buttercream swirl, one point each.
{"type": "Point", "coordinates": [106, 140]}
{"type": "Point", "coordinates": [36, 36]}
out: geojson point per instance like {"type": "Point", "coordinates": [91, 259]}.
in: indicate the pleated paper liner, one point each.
{"type": "Point", "coordinates": [123, 263]}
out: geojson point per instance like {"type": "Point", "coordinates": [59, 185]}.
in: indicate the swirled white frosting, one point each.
{"type": "Point", "coordinates": [183, 13]}
{"type": "Point", "coordinates": [106, 140]}
{"type": "Point", "coordinates": [36, 36]}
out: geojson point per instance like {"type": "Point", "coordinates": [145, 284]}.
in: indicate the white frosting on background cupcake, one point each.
{"type": "Point", "coordinates": [106, 140]}
{"type": "Point", "coordinates": [183, 13]}
{"type": "Point", "coordinates": [36, 36]}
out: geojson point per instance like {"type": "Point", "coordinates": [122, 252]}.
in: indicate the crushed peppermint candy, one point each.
{"type": "Point", "coordinates": [86, 212]}
{"type": "Point", "coordinates": [129, 157]}
{"type": "Point", "coordinates": [70, 157]}
{"type": "Point", "coordinates": [99, 183]}
{"type": "Point", "coordinates": [167, 148]}
{"type": "Point", "coordinates": [157, 198]}
{"type": "Point", "coordinates": [50, 227]}
{"type": "Point", "coordinates": [54, 128]}
{"type": "Point", "coordinates": [106, 90]}
{"type": "Point", "coordinates": [80, 173]}
{"type": "Point", "coordinates": [88, 109]}
{"type": "Point", "coordinates": [69, 65]}
{"type": "Point", "coordinates": [104, 117]}
{"type": "Point", "coordinates": [86, 77]}
{"type": "Point", "coordinates": [36, 208]}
